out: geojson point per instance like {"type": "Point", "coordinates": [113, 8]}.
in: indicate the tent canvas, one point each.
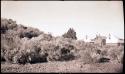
{"type": "Point", "coordinates": [112, 39]}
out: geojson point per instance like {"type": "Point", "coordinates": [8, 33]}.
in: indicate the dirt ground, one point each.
{"type": "Point", "coordinates": [64, 67]}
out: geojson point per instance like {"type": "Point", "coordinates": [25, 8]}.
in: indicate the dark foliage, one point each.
{"type": "Point", "coordinates": [28, 35]}
{"type": "Point", "coordinates": [101, 60]}
{"type": "Point", "coordinates": [70, 34]}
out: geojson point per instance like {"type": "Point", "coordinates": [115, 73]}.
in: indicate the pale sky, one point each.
{"type": "Point", "coordinates": [56, 17]}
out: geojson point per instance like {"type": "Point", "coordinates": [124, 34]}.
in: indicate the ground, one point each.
{"type": "Point", "coordinates": [68, 67]}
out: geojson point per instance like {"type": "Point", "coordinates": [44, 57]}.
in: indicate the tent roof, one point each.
{"type": "Point", "coordinates": [112, 39]}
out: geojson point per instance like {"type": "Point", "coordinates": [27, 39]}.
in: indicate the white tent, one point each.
{"type": "Point", "coordinates": [112, 39]}
{"type": "Point", "coordinates": [87, 40]}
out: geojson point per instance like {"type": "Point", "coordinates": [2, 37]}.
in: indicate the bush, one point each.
{"type": "Point", "coordinates": [70, 34]}
{"type": "Point", "coordinates": [116, 53]}
{"type": "Point", "coordinates": [85, 57]}
{"type": "Point", "coordinates": [37, 58]}
{"type": "Point", "coordinates": [7, 24]}
{"type": "Point", "coordinates": [57, 52]}
{"type": "Point", "coordinates": [92, 54]}
{"type": "Point", "coordinates": [21, 57]}
{"type": "Point", "coordinates": [79, 44]}
{"type": "Point", "coordinates": [20, 44]}
{"type": "Point", "coordinates": [28, 32]}
{"type": "Point", "coordinates": [9, 55]}
{"type": "Point", "coordinates": [31, 51]}
{"type": "Point", "coordinates": [9, 44]}
{"type": "Point", "coordinates": [33, 55]}
{"type": "Point", "coordinates": [60, 54]}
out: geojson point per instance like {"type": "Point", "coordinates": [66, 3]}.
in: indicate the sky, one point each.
{"type": "Point", "coordinates": [56, 17]}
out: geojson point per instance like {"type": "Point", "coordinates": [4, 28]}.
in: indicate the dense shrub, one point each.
{"type": "Point", "coordinates": [78, 44]}
{"type": "Point", "coordinates": [40, 46]}
{"type": "Point", "coordinates": [116, 53]}
{"type": "Point", "coordinates": [9, 45]}
{"type": "Point", "coordinates": [70, 34]}
{"type": "Point", "coordinates": [33, 55]}
{"type": "Point", "coordinates": [9, 55]}
{"type": "Point", "coordinates": [21, 57]}
{"type": "Point", "coordinates": [20, 44]}
{"type": "Point", "coordinates": [85, 57]}
{"type": "Point", "coordinates": [29, 33]}
{"type": "Point", "coordinates": [92, 53]}
{"type": "Point", "coordinates": [7, 24]}
{"type": "Point", "coordinates": [58, 49]}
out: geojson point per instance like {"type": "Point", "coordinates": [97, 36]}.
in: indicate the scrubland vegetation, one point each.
{"type": "Point", "coordinates": [21, 45]}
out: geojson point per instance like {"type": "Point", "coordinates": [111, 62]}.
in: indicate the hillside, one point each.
{"type": "Point", "coordinates": [27, 49]}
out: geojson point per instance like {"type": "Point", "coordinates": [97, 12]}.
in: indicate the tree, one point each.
{"type": "Point", "coordinates": [70, 34]}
